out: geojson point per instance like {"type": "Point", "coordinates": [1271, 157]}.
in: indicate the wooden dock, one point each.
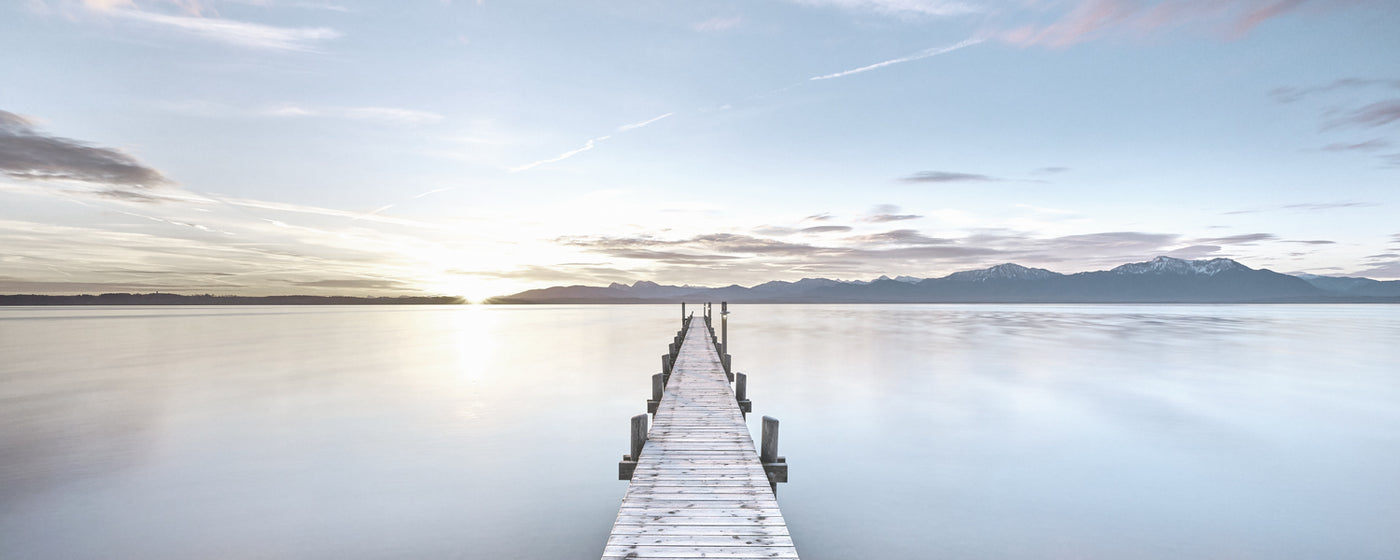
{"type": "Point", "coordinates": [699, 489]}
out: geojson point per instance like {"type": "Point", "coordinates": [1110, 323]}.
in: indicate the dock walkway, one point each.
{"type": "Point", "coordinates": [699, 489]}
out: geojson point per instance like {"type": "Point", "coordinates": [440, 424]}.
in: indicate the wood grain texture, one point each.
{"type": "Point", "coordinates": [699, 490]}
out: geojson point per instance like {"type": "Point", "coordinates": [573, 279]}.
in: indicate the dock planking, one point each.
{"type": "Point", "coordinates": [699, 489]}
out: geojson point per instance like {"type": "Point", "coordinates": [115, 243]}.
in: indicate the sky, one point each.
{"type": "Point", "coordinates": [476, 148]}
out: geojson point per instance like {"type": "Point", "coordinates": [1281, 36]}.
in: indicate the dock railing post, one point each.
{"type": "Point", "coordinates": [658, 387]}
{"type": "Point", "coordinates": [628, 464]}
{"type": "Point", "coordinates": [773, 465]}
{"type": "Point", "coordinates": [741, 393]}
{"type": "Point", "coordinates": [682, 315]}
{"type": "Point", "coordinates": [666, 367]}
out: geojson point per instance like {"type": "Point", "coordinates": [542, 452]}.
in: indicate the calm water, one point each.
{"type": "Point", "coordinates": [494, 432]}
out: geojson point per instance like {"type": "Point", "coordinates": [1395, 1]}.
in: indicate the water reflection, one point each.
{"type": "Point", "coordinates": [493, 432]}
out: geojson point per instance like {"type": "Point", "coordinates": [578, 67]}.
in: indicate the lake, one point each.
{"type": "Point", "coordinates": [912, 431]}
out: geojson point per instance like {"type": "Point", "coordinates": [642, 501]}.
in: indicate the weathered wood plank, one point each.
{"type": "Point", "coordinates": [625, 539]}
{"type": "Point", "coordinates": [699, 552]}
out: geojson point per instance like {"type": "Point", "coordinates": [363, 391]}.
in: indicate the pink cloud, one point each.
{"type": "Point", "coordinates": [1084, 20]}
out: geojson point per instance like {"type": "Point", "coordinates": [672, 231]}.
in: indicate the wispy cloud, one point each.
{"type": "Point", "coordinates": [233, 32]}
{"type": "Point", "coordinates": [637, 125]}
{"type": "Point", "coordinates": [589, 145]}
{"type": "Point", "coordinates": [888, 213]}
{"type": "Point", "coordinates": [1241, 239]}
{"type": "Point", "coordinates": [392, 115]}
{"type": "Point", "coordinates": [720, 23]}
{"type": "Point", "coordinates": [1367, 146]}
{"type": "Point", "coordinates": [1315, 206]}
{"type": "Point", "coordinates": [561, 157]}
{"type": "Point", "coordinates": [320, 211]}
{"type": "Point", "coordinates": [825, 229]}
{"type": "Point", "coordinates": [1290, 94]}
{"type": "Point", "coordinates": [900, 237]}
{"type": "Point", "coordinates": [926, 53]}
{"type": "Point", "coordinates": [1084, 20]}
{"type": "Point", "coordinates": [1373, 115]}
{"type": "Point", "coordinates": [27, 153]}
{"type": "Point", "coordinates": [882, 218]}
{"type": "Point", "coordinates": [902, 8]}
{"type": "Point", "coordinates": [1306, 207]}
{"type": "Point", "coordinates": [947, 177]}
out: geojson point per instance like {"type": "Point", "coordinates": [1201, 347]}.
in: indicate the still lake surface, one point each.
{"type": "Point", "coordinates": [913, 431]}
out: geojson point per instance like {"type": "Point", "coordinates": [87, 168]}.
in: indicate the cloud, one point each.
{"type": "Point", "coordinates": [1240, 239]}
{"type": "Point", "coordinates": [1310, 241]}
{"type": "Point", "coordinates": [356, 283]}
{"type": "Point", "coordinates": [27, 153]}
{"type": "Point", "coordinates": [826, 229]}
{"type": "Point", "coordinates": [1050, 170]}
{"type": "Point", "coordinates": [719, 23]}
{"type": "Point", "coordinates": [1085, 20]}
{"type": "Point", "coordinates": [1376, 114]}
{"type": "Point", "coordinates": [818, 217]}
{"type": "Point", "coordinates": [1290, 94]}
{"type": "Point", "coordinates": [1367, 146]}
{"type": "Point", "coordinates": [884, 213]}
{"type": "Point", "coordinates": [947, 177]}
{"type": "Point", "coordinates": [1193, 252]}
{"type": "Point", "coordinates": [1305, 207]}
{"type": "Point", "coordinates": [900, 237]}
{"type": "Point", "coordinates": [926, 53]}
{"type": "Point", "coordinates": [882, 218]}
{"type": "Point", "coordinates": [715, 245]}
{"type": "Point", "coordinates": [233, 32]}
{"type": "Point", "coordinates": [566, 272]}
{"type": "Point", "coordinates": [901, 8]}
{"type": "Point", "coordinates": [774, 230]}
{"type": "Point", "coordinates": [1382, 269]}
{"type": "Point", "coordinates": [392, 115]}
{"type": "Point", "coordinates": [589, 145]}
{"type": "Point", "coordinates": [636, 125]}
{"type": "Point", "coordinates": [1317, 206]}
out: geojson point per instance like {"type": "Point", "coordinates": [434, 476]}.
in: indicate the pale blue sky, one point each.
{"type": "Point", "coordinates": [475, 148]}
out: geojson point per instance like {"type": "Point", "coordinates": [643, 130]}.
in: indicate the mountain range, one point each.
{"type": "Point", "coordinates": [1161, 280]}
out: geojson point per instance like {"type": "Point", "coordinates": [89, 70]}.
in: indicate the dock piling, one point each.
{"type": "Point", "coordinates": [773, 465]}
{"type": "Point", "coordinates": [658, 386]}
{"type": "Point", "coordinates": [741, 392]}
{"type": "Point", "coordinates": [628, 464]}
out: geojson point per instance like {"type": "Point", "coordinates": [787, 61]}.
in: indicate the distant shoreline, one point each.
{"type": "Point", "coordinates": [1298, 301]}
{"type": "Point", "coordinates": [177, 299]}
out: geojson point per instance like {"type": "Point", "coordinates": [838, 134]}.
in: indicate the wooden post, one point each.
{"type": "Point", "coordinates": [724, 328]}
{"type": "Point", "coordinates": [724, 361]}
{"type": "Point", "coordinates": [658, 386]}
{"type": "Point", "coordinates": [769, 448]}
{"type": "Point", "coordinates": [682, 315]}
{"type": "Point", "coordinates": [666, 365]}
{"type": "Point", "coordinates": [639, 434]}
{"type": "Point", "coordinates": [741, 393]}
{"type": "Point", "coordinates": [773, 465]}
{"type": "Point", "coordinates": [628, 464]}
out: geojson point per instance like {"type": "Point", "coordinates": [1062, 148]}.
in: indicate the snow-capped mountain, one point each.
{"type": "Point", "coordinates": [1168, 265]}
{"type": "Point", "coordinates": [1006, 271]}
